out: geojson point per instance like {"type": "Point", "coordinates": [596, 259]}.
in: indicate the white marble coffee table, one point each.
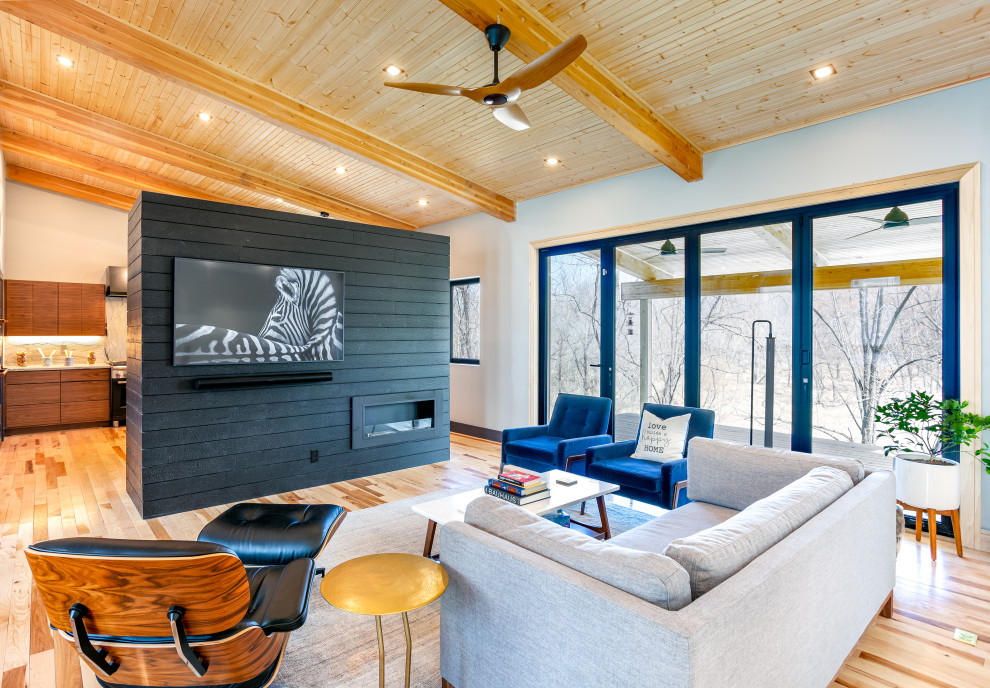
{"type": "Point", "coordinates": [447, 509]}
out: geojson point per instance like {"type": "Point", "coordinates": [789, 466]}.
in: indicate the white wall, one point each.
{"type": "Point", "coordinates": [939, 130]}
{"type": "Point", "coordinates": [48, 236]}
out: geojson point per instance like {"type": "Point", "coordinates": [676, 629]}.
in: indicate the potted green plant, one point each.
{"type": "Point", "coordinates": [920, 429]}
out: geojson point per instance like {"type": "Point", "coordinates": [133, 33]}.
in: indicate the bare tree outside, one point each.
{"type": "Point", "coordinates": [873, 340]}
{"type": "Point", "coordinates": [465, 306]}
{"type": "Point", "coordinates": [872, 345]}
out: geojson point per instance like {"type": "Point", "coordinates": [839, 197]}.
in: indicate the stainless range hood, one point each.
{"type": "Point", "coordinates": [116, 281]}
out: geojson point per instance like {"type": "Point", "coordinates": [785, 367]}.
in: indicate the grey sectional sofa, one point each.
{"type": "Point", "coordinates": [514, 616]}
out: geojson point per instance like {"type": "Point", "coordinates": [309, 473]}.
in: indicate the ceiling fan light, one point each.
{"type": "Point", "coordinates": [896, 216]}
{"type": "Point", "coordinates": [823, 72]}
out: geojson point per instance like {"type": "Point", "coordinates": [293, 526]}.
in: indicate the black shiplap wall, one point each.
{"type": "Point", "coordinates": [188, 449]}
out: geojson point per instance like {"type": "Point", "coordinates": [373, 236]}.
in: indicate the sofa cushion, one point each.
{"type": "Point", "coordinates": [735, 475]}
{"type": "Point", "coordinates": [647, 575]}
{"type": "Point", "coordinates": [655, 535]}
{"type": "Point", "coordinates": [713, 555]}
{"type": "Point", "coordinates": [635, 473]}
{"type": "Point", "coordinates": [542, 449]}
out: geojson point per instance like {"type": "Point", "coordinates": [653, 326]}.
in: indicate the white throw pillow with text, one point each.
{"type": "Point", "coordinates": [661, 440]}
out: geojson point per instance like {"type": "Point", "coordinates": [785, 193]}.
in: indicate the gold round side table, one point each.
{"type": "Point", "coordinates": [382, 584]}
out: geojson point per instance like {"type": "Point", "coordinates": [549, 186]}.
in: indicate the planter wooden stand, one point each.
{"type": "Point", "coordinates": [932, 513]}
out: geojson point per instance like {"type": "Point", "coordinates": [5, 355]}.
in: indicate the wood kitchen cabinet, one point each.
{"type": "Point", "coordinates": [38, 398]}
{"type": "Point", "coordinates": [55, 308]}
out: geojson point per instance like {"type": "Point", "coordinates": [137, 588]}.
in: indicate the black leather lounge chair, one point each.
{"type": "Point", "coordinates": [148, 613]}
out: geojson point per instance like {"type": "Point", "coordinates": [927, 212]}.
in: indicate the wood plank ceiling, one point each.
{"type": "Point", "coordinates": [294, 89]}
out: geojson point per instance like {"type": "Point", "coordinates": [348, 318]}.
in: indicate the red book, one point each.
{"type": "Point", "coordinates": [520, 478]}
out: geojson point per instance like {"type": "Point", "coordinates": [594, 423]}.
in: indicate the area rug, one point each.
{"type": "Point", "coordinates": [340, 650]}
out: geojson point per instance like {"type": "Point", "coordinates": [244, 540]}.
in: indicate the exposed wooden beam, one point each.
{"type": "Point", "coordinates": [640, 268]}
{"type": "Point", "coordinates": [588, 81]}
{"type": "Point", "coordinates": [779, 238]}
{"type": "Point", "coordinates": [37, 106]}
{"type": "Point", "coordinates": [154, 55]}
{"type": "Point", "coordinates": [919, 271]}
{"type": "Point", "coordinates": [32, 146]}
{"type": "Point", "coordinates": [68, 187]}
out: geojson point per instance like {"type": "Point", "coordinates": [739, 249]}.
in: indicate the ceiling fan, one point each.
{"type": "Point", "coordinates": [667, 248]}
{"type": "Point", "coordinates": [501, 96]}
{"type": "Point", "coordinates": [897, 219]}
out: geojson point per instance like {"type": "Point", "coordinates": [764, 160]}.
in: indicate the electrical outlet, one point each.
{"type": "Point", "coordinates": [314, 455]}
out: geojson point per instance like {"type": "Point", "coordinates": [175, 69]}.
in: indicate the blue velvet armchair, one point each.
{"type": "Point", "coordinates": [648, 481]}
{"type": "Point", "coordinates": [577, 423]}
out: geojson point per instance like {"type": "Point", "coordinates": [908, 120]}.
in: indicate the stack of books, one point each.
{"type": "Point", "coordinates": [518, 487]}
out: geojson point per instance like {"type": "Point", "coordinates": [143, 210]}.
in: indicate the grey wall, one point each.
{"type": "Point", "coordinates": [188, 449]}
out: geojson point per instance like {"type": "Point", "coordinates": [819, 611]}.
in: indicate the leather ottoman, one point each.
{"type": "Point", "coordinates": [274, 534]}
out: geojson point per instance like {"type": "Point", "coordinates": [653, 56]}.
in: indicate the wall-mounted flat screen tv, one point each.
{"type": "Point", "coordinates": [228, 313]}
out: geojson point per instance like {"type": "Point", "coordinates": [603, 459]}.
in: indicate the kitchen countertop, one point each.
{"type": "Point", "coordinates": [104, 366]}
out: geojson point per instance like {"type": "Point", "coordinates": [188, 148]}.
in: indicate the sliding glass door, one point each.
{"type": "Point", "coordinates": [574, 324]}
{"type": "Point", "coordinates": [792, 326]}
{"type": "Point", "coordinates": [746, 333]}
{"type": "Point", "coordinates": [877, 319]}
{"type": "Point", "coordinates": [649, 332]}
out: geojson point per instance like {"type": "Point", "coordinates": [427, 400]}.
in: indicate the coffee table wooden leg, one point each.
{"type": "Point", "coordinates": [603, 515]}
{"type": "Point", "coordinates": [381, 653]}
{"type": "Point", "coordinates": [405, 622]}
{"type": "Point", "coordinates": [431, 530]}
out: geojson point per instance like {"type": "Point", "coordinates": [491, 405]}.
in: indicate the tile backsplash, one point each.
{"type": "Point", "coordinates": [113, 347]}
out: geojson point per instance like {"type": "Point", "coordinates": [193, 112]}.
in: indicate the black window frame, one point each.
{"type": "Point", "coordinates": [458, 283]}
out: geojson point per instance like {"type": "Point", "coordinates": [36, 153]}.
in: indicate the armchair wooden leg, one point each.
{"type": "Point", "coordinates": [678, 487]}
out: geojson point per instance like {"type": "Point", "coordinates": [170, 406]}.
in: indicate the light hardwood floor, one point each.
{"type": "Point", "coordinates": [62, 484]}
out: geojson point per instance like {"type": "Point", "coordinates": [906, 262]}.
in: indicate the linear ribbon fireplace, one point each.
{"type": "Point", "coordinates": [392, 418]}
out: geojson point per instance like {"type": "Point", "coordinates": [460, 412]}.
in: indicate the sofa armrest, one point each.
{"type": "Point", "coordinates": [513, 434]}
{"type": "Point", "coordinates": [672, 473]}
{"type": "Point", "coordinates": [615, 450]}
{"type": "Point", "coordinates": [578, 446]}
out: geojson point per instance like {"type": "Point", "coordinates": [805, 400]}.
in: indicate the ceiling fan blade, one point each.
{"type": "Point", "coordinates": [930, 220]}
{"type": "Point", "coordinates": [511, 116]}
{"type": "Point", "coordinates": [435, 89]}
{"type": "Point", "coordinates": [869, 231]}
{"type": "Point", "coordinates": [547, 65]}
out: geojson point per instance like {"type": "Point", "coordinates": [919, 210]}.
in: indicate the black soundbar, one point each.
{"type": "Point", "coordinates": [242, 381]}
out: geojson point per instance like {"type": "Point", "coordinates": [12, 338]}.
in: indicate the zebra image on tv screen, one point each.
{"type": "Point", "coordinates": [243, 313]}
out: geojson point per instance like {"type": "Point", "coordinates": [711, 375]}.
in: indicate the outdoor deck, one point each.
{"type": "Point", "coordinates": [627, 424]}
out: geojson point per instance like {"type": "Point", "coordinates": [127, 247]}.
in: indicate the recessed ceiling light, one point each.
{"type": "Point", "coordinates": [423, 201]}
{"type": "Point", "coordinates": [64, 61]}
{"type": "Point", "coordinates": [823, 72]}
{"type": "Point", "coordinates": [340, 169]}
{"type": "Point", "coordinates": [205, 116]}
{"type": "Point", "coordinates": [552, 161]}
{"type": "Point", "coordinates": [392, 70]}
{"type": "Point", "coordinates": [279, 200]}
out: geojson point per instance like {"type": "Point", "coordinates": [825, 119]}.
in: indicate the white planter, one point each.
{"type": "Point", "coordinates": [927, 485]}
